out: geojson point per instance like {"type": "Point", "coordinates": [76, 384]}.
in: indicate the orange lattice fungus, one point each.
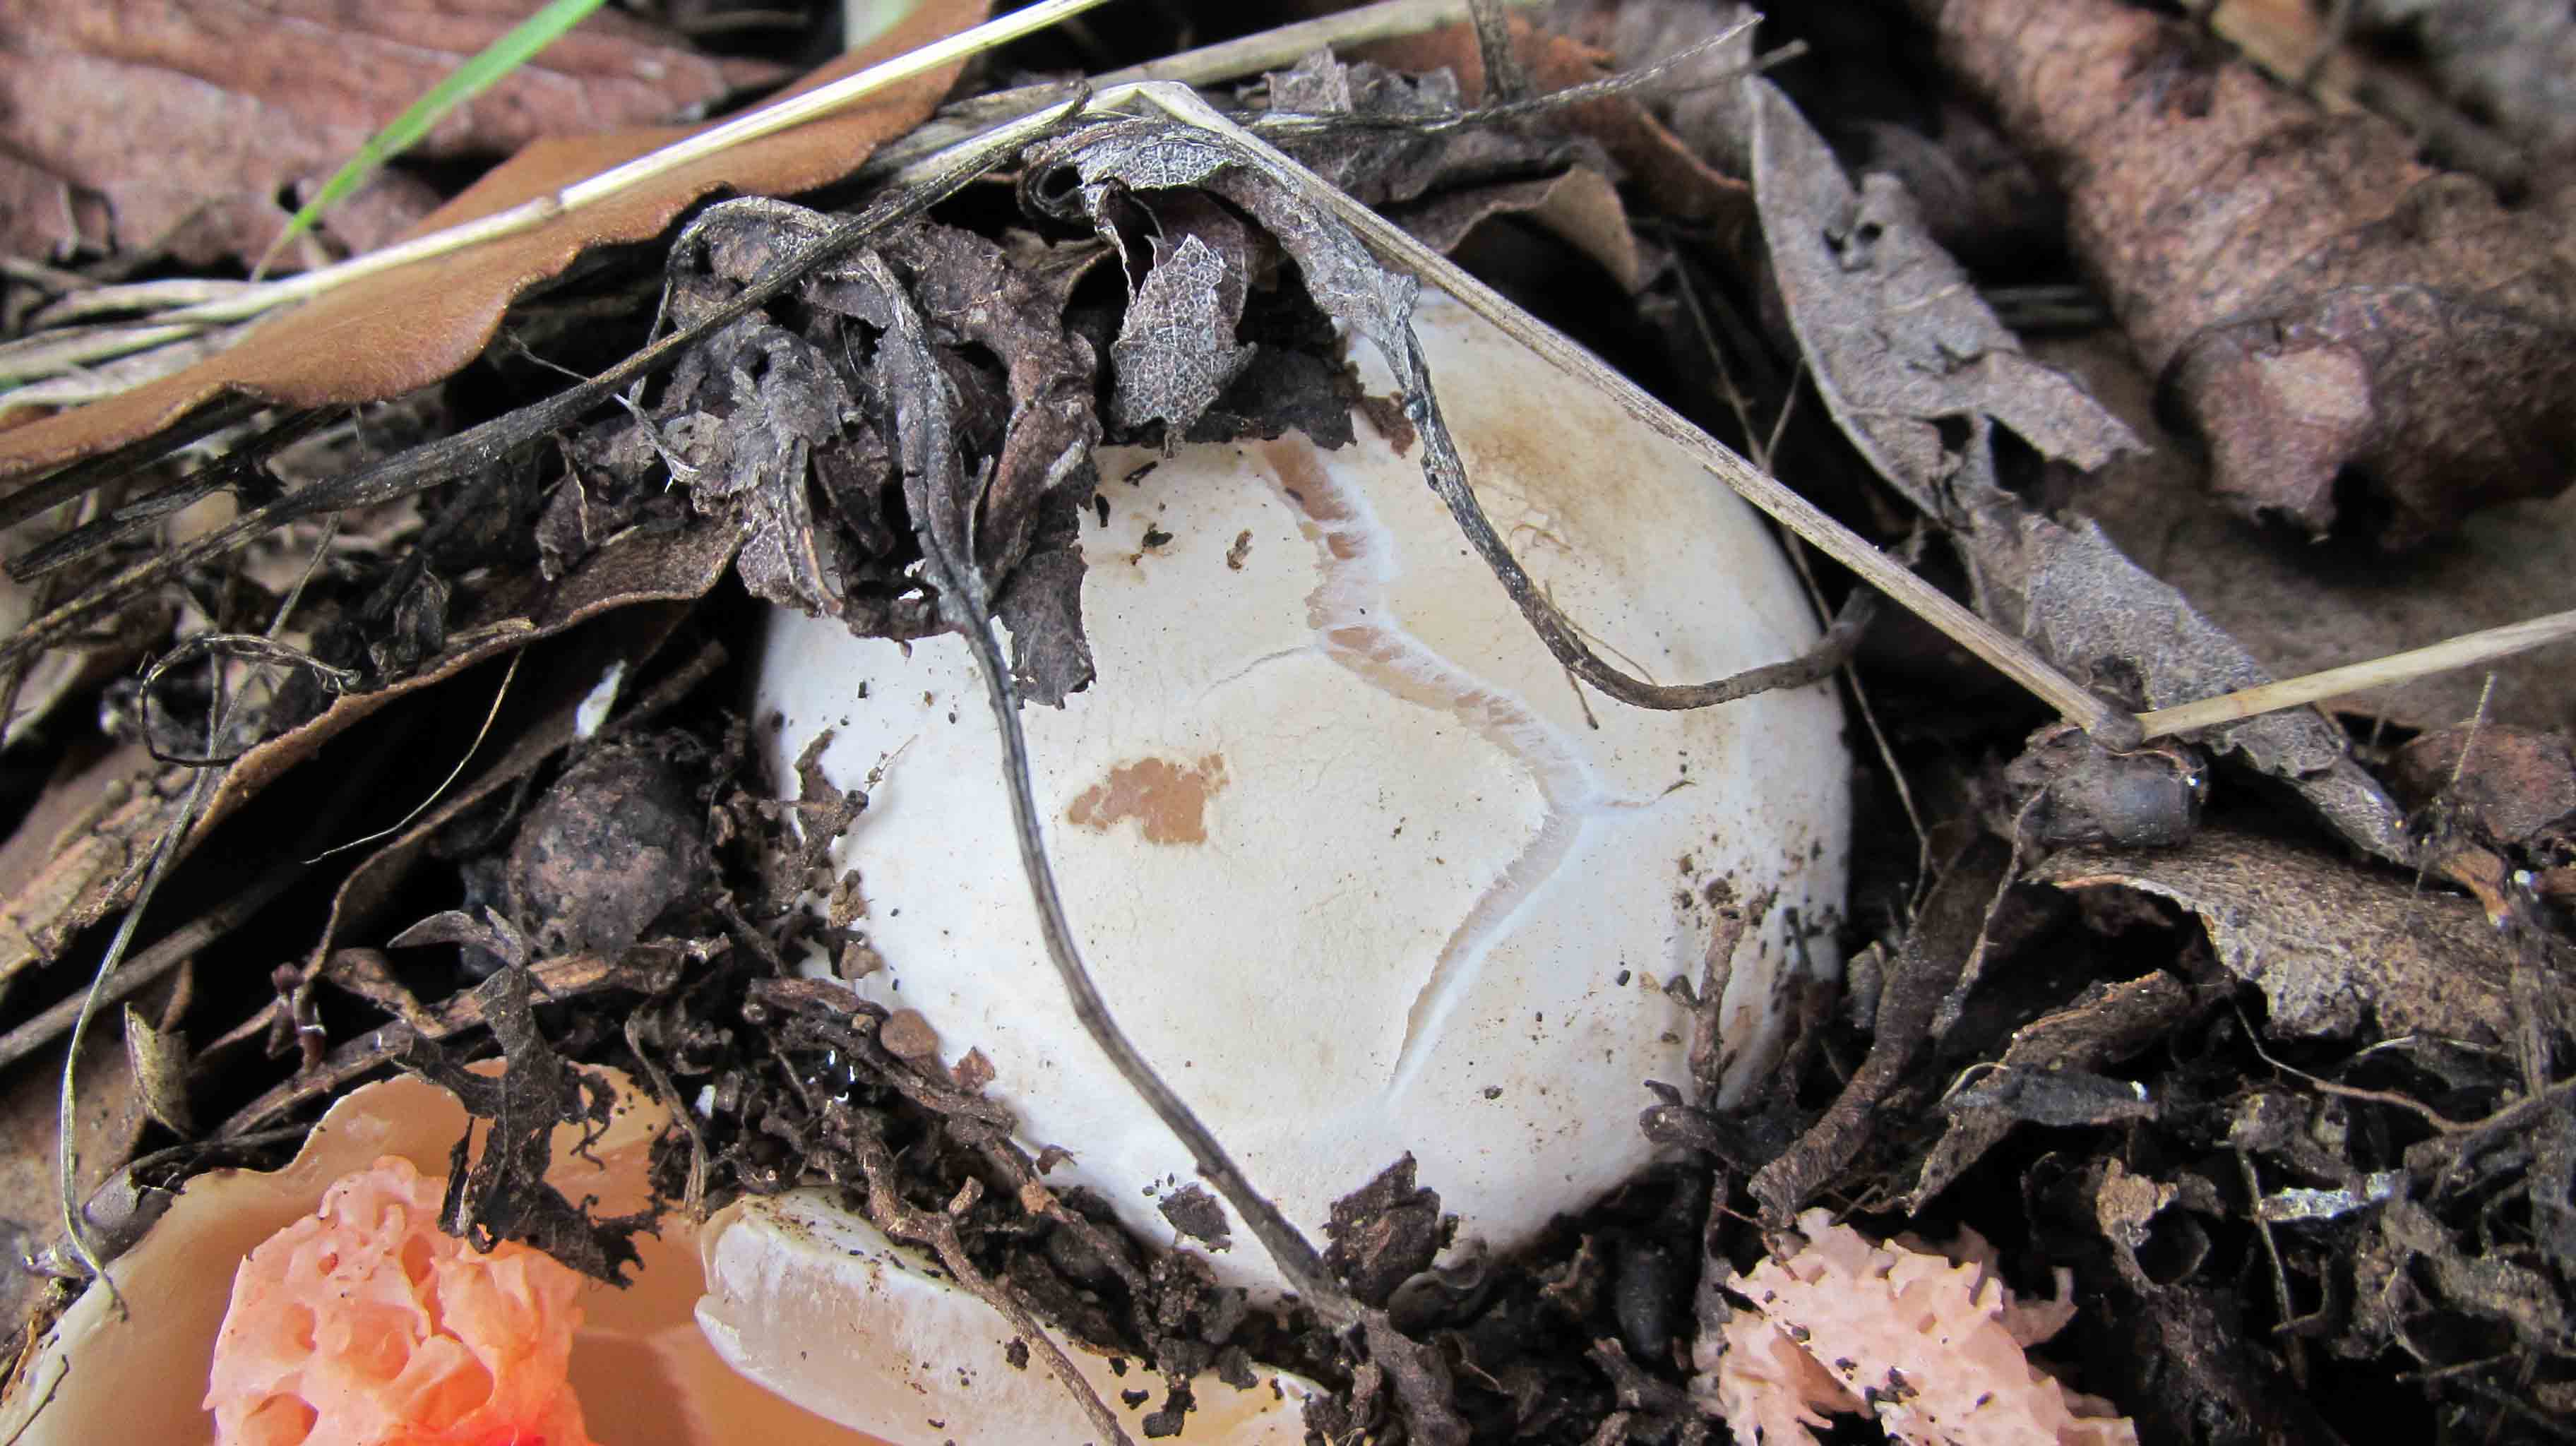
{"type": "Point", "coordinates": [363, 1324]}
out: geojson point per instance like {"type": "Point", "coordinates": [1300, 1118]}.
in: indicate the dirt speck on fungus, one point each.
{"type": "Point", "coordinates": [1167, 799]}
{"type": "Point", "coordinates": [1195, 1213]}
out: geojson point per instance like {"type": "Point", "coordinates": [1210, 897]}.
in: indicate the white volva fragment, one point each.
{"type": "Point", "coordinates": [801, 1292]}
{"type": "Point", "coordinates": [1354, 860]}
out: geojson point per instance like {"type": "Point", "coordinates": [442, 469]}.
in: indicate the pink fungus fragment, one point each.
{"type": "Point", "coordinates": [364, 1325]}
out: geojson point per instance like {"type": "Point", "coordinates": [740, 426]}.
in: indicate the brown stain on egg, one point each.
{"type": "Point", "coordinates": [1166, 797]}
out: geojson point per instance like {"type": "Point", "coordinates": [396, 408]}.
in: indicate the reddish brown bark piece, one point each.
{"type": "Point", "coordinates": [2348, 331]}
{"type": "Point", "coordinates": [179, 124]}
{"type": "Point", "coordinates": [411, 326]}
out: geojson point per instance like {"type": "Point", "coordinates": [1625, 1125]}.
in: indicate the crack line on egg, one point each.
{"type": "Point", "coordinates": [1350, 611]}
{"type": "Point", "coordinates": [1253, 665]}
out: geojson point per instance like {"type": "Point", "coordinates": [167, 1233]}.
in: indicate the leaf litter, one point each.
{"type": "Point", "coordinates": [2228, 1075]}
{"type": "Point", "coordinates": [260, 102]}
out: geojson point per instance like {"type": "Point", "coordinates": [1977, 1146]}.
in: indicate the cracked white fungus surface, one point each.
{"type": "Point", "coordinates": [1353, 859]}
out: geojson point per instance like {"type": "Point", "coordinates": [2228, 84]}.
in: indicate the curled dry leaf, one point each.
{"type": "Point", "coordinates": [179, 126]}
{"type": "Point", "coordinates": [2349, 331]}
{"type": "Point", "coordinates": [2332, 947]}
{"type": "Point", "coordinates": [1900, 343]}
{"type": "Point", "coordinates": [414, 325]}
{"type": "Point", "coordinates": [1660, 163]}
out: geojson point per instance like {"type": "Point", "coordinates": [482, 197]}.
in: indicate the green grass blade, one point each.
{"type": "Point", "coordinates": [468, 81]}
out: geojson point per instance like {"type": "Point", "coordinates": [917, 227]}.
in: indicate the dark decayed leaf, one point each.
{"type": "Point", "coordinates": [504, 1194]}
{"type": "Point", "coordinates": [1381, 161]}
{"type": "Point", "coordinates": [742, 419]}
{"type": "Point", "coordinates": [762, 438]}
{"type": "Point", "coordinates": [2106, 1025]}
{"type": "Point", "coordinates": [1011, 302]}
{"type": "Point", "coordinates": [2334, 949]}
{"type": "Point", "coordinates": [1899, 342]}
{"type": "Point", "coordinates": [1385, 1233]}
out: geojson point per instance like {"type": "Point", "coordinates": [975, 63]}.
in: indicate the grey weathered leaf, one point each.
{"type": "Point", "coordinates": [1176, 351]}
{"type": "Point", "coordinates": [1900, 343]}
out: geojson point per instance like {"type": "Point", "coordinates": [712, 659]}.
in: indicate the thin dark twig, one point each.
{"type": "Point", "coordinates": [238, 471]}
{"type": "Point", "coordinates": [67, 482]}
{"type": "Point", "coordinates": [219, 722]}
{"type": "Point", "coordinates": [166, 954]}
{"type": "Point", "coordinates": [928, 463]}
{"type": "Point", "coordinates": [1447, 474]}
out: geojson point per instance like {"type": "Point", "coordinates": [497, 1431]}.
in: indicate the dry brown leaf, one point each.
{"type": "Point", "coordinates": [2301, 609]}
{"type": "Point", "coordinates": [409, 327]}
{"type": "Point", "coordinates": [2511, 785]}
{"type": "Point", "coordinates": [182, 126]}
{"type": "Point", "coordinates": [1660, 164]}
{"type": "Point", "coordinates": [79, 851]}
{"type": "Point", "coordinates": [2334, 948]}
{"type": "Point", "coordinates": [2349, 331]}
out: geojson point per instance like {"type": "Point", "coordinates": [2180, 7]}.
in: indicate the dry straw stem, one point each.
{"type": "Point", "coordinates": [2465, 651]}
{"type": "Point", "coordinates": [2006, 653]}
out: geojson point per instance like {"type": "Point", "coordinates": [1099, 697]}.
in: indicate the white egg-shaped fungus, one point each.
{"type": "Point", "coordinates": [1353, 858]}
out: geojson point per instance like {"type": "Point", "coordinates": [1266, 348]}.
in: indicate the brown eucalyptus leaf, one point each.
{"type": "Point", "coordinates": [2348, 331]}
{"type": "Point", "coordinates": [182, 126]}
{"type": "Point", "coordinates": [80, 851]}
{"type": "Point", "coordinates": [405, 328]}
